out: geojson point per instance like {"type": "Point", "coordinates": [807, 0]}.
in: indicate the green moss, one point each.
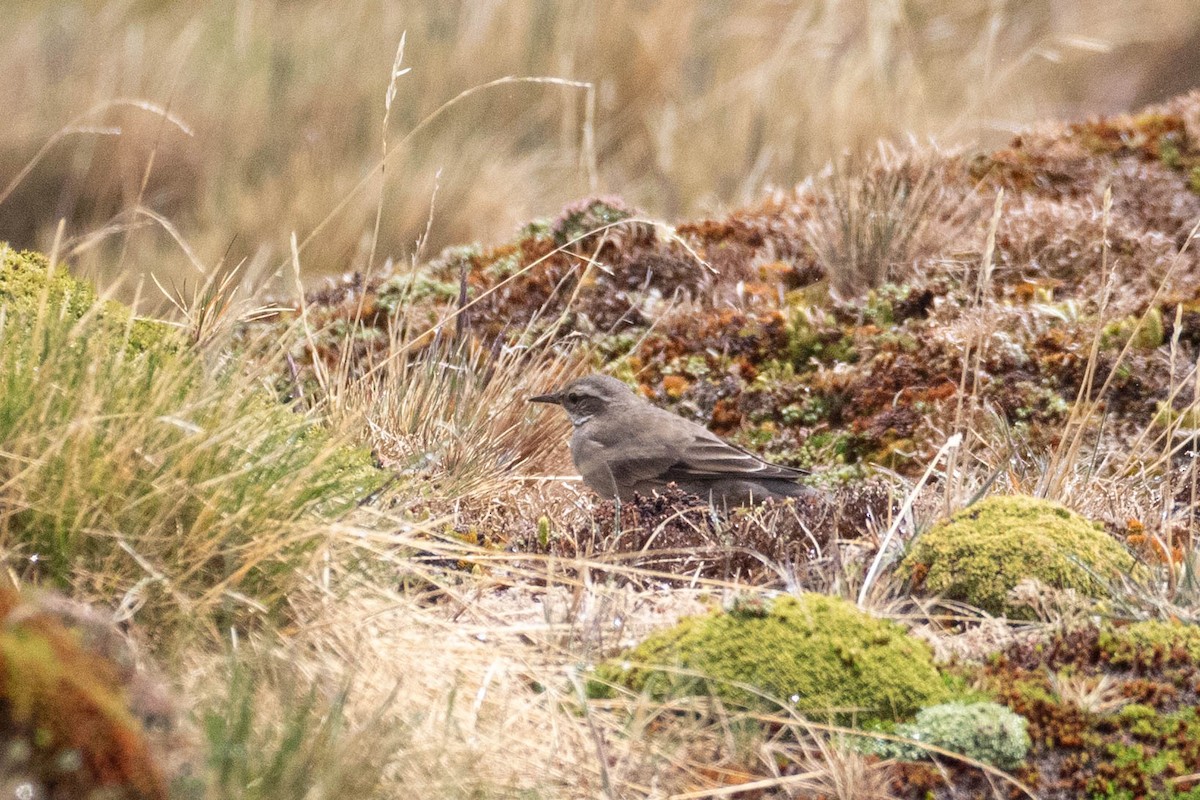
{"type": "Point", "coordinates": [815, 653]}
{"type": "Point", "coordinates": [896, 340]}
{"type": "Point", "coordinates": [881, 303]}
{"type": "Point", "coordinates": [1170, 154]}
{"type": "Point", "coordinates": [1140, 720]}
{"type": "Point", "coordinates": [152, 334]}
{"type": "Point", "coordinates": [1042, 403]}
{"type": "Point", "coordinates": [984, 551]}
{"type": "Point", "coordinates": [538, 228]}
{"type": "Point", "coordinates": [1150, 643]}
{"type": "Point", "coordinates": [1137, 771]}
{"type": "Point", "coordinates": [1111, 710]}
{"type": "Point", "coordinates": [411, 288]}
{"type": "Point", "coordinates": [1194, 179]}
{"type": "Point", "coordinates": [831, 448]}
{"type": "Point", "coordinates": [25, 278]}
{"type": "Point", "coordinates": [581, 218]}
{"type": "Point", "coordinates": [987, 732]}
{"type": "Point", "coordinates": [820, 341]}
{"type": "Point", "coordinates": [1165, 415]}
{"type": "Point", "coordinates": [1148, 334]}
{"type": "Point", "coordinates": [27, 284]}
{"type": "Point", "coordinates": [693, 366]}
{"type": "Point", "coordinates": [757, 438]}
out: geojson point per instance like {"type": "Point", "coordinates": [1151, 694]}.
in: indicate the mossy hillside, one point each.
{"type": "Point", "coordinates": [981, 553]}
{"type": "Point", "coordinates": [765, 354]}
{"type": "Point", "coordinates": [129, 461]}
{"type": "Point", "coordinates": [815, 653]}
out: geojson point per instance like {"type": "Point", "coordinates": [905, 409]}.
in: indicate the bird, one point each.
{"type": "Point", "coordinates": [623, 445]}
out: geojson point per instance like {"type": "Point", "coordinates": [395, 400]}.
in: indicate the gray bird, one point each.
{"type": "Point", "coordinates": [623, 444]}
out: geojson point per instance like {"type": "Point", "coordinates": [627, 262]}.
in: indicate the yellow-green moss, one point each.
{"type": "Point", "coordinates": [815, 653]}
{"type": "Point", "coordinates": [1151, 642]}
{"type": "Point", "coordinates": [1165, 415]}
{"type": "Point", "coordinates": [27, 284]}
{"type": "Point", "coordinates": [984, 551]}
{"type": "Point", "coordinates": [1148, 334]}
{"type": "Point", "coordinates": [25, 277]}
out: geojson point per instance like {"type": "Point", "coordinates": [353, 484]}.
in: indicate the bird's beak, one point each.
{"type": "Point", "coordinates": [547, 398]}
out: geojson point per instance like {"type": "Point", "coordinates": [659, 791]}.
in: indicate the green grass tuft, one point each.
{"type": "Point", "coordinates": [135, 466]}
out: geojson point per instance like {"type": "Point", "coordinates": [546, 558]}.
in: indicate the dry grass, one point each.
{"type": "Point", "coordinates": [693, 109]}
{"type": "Point", "coordinates": [1090, 694]}
{"type": "Point", "coordinates": [486, 686]}
{"type": "Point", "coordinates": [457, 414]}
{"type": "Point", "coordinates": [879, 220]}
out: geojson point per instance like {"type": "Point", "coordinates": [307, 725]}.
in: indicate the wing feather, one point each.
{"type": "Point", "coordinates": [710, 457]}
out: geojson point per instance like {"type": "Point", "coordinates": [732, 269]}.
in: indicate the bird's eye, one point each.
{"type": "Point", "coordinates": [573, 398]}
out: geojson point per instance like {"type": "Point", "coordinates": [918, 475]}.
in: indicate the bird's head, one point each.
{"type": "Point", "coordinates": [584, 398]}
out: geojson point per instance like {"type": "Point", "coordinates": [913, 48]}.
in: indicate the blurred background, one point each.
{"type": "Point", "coordinates": [155, 129]}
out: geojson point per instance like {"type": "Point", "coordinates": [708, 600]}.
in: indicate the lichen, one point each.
{"type": "Point", "coordinates": [985, 731]}
{"type": "Point", "coordinates": [814, 653]}
{"type": "Point", "coordinates": [981, 553]}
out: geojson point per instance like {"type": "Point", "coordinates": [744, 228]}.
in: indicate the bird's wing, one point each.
{"type": "Point", "coordinates": [662, 451]}
{"type": "Point", "coordinates": [708, 456]}
{"type": "Point", "coordinates": [698, 454]}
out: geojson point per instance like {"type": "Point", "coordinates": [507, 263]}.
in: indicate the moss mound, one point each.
{"type": "Point", "coordinates": [815, 653]}
{"type": "Point", "coordinates": [981, 553]}
{"type": "Point", "coordinates": [28, 284]}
